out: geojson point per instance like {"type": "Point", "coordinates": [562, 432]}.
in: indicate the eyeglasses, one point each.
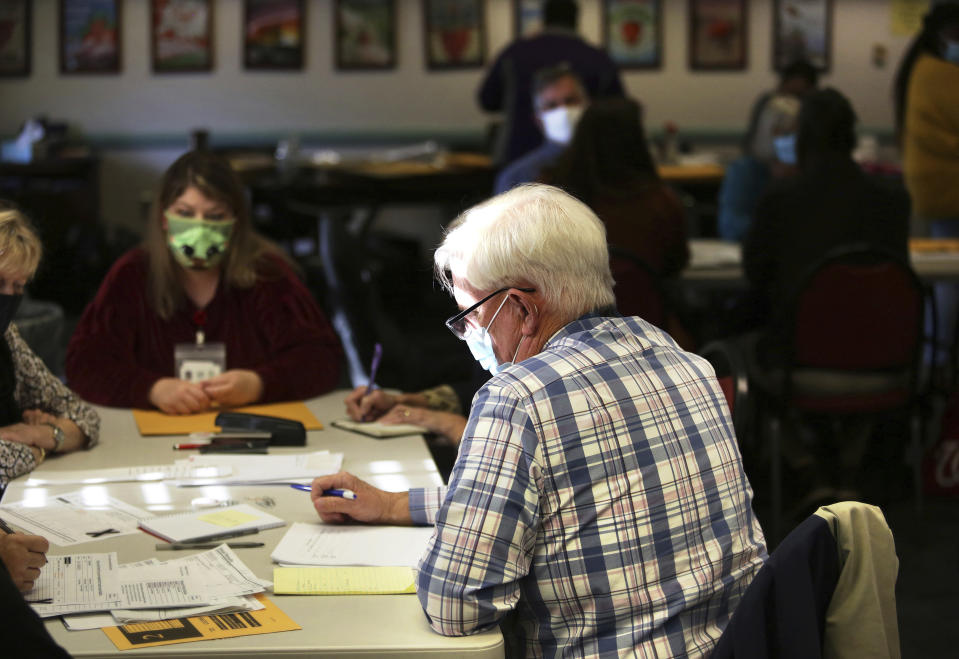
{"type": "Point", "coordinates": [457, 324]}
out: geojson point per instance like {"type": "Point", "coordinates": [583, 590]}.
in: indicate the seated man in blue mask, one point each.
{"type": "Point", "coordinates": [559, 99]}
{"type": "Point", "coordinates": [598, 496]}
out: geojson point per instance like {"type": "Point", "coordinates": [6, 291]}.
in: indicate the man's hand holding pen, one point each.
{"type": "Point", "coordinates": [369, 504]}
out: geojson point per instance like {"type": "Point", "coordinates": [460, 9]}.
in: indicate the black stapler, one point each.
{"type": "Point", "coordinates": [283, 432]}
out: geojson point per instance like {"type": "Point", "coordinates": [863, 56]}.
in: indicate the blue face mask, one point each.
{"type": "Point", "coordinates": [950, 52]}
{"type": "Point", "coordinates": [480, 344]}
{"type": "Point", "coordinates": [785, 146]}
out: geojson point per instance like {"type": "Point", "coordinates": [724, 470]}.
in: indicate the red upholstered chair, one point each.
{"type": "Point", "coordinates": [853, 346]}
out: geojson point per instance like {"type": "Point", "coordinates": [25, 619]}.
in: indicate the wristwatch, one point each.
{"type": "Point", "coordinates": [58, 437]}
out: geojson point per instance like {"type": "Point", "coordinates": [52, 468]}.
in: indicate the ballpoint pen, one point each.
{"type": "Point", "coordinates": [207, 545]}
{"type": "Point", "coordinates": [335, 492]}
{"type": "Point", "coordinates": [4, 527]}
{"type": "Point", "coordinates": [219, 536]}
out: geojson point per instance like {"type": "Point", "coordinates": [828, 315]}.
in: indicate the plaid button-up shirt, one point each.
{"type": "Point", "coordinates": [599, 495]}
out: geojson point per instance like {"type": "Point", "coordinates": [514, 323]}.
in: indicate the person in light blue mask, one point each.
{"type": "Point", "coordinates": [572, 477]}
{"type": "Point", "coordinates": [747, 177]}
{"type": "Point", "coordinates": [785, 147]}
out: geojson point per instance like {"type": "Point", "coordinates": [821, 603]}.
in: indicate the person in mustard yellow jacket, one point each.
{"type": "Point", "coordinates": [927, 123]}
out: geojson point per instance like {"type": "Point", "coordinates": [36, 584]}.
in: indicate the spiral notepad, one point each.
{"type": "Point", "coordinates": [211, 525]}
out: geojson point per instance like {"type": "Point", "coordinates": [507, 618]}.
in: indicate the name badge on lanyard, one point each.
{"type": "Point", "coordinates": [199, 361]}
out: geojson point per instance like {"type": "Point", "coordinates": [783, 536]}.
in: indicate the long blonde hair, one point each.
{"type": "Point", "coordinates": [20, 248]}
{"type": "Point", "coordinates": [247, 258]}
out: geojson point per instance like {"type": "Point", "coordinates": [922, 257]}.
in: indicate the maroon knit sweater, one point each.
{"type": "Point", "coordinates": [121, 346]}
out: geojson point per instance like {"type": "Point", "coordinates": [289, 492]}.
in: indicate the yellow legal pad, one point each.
{"type": "Point", "coordinates": [202, 628]}
{"type": "Point", "coordinates": [153, 422]}
{"type": "Point", "coordinates": [227, 518]}
{"type": "Point", "coordinates": [343, 580]}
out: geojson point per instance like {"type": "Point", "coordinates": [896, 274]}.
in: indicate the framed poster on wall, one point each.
{"type": "Point", "coordinates": [181, 35]}
{"type": "Point", "coordinates": [802, 29]}
{"type": "Point", "coordinates": [633, 32]}
{"type": "Point", "coordinates": [527, 17]}
{"type": "Point", "coordinates": [455, 33]}
{"type": "Point", "coordinates": [89, 36]}
{"type": "Point", "coordinates": [365, 34]}
{"type": "Point", "coordinates": [718, 32]}
{"type": "Point", "coordinates": [14, 38]}
{"type": "Point", "coordinates": [273, 34]}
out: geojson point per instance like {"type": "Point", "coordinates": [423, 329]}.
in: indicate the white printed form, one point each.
{"type": "Point", "coordinates": [74, 518]}
{"type": "Point", "coordinates": [76, 583]}
{"type": "Point", "coordinates": [196, 580]}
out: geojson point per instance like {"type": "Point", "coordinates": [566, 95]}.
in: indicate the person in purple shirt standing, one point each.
{"type": "Point", "coordinates": [508, 84]}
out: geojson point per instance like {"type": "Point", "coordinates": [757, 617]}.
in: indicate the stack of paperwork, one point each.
{"type": "Point", "coordinates": [714, 254]}
{"type": "Point", "coordinates": [208, 469]}
{"type": "Point", "coordinates": [148, 590]}
{"type": "Point", "coordinates": [264, 469]}
{"type": "Point", "coordinates": [381, 559]}
{"type": "Point", "coordinates": [179, 471]}
{"type": "Point", "coordinates": [327, 544]}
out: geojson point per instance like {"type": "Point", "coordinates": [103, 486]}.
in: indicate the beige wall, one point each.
{"type": "Point", "coordinates": [139, 106]}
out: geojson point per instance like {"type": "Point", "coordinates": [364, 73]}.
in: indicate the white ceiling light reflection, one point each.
{"type": "Point", "coordinates": [35, 497]}
{"type": "Point", "coordinates": [390, 482]}
{"type": "Point", "coordinates": [210, 472]}
{"type": "Point", "coordinates": [400, 467]}
{"type": "Point", "coordinates": [215, 492]}
{"type": "Point", "coordinates": [385, 467]}
{"type": "Point", "coordinates": [156, 496]}
{"type": "Point", "coordinates": [94, 496]}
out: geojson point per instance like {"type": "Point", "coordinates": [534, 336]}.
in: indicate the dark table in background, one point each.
{"type": "Point", "coordinates": [371, 298]}
{"type": "Point", "coordinates": [62, 198]}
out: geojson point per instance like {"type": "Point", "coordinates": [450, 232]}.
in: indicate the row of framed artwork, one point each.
{"type": "Point", "coordinates": [181, 33]}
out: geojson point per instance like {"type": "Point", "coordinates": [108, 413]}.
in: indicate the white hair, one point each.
{"type": "Point", "coordinates": [533, 233]}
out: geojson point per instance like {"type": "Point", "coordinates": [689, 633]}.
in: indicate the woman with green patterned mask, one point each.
{"type": "Point", "coordinates": [198, 242]}
{"type": "Point", "coordinates": [206, 313]}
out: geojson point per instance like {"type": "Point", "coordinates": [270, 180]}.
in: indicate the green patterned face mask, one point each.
{"type": "Point", "coordinates": [198, 243]}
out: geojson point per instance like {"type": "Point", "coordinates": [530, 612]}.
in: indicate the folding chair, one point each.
{"type": "Point", "coordinates": [852, 350]}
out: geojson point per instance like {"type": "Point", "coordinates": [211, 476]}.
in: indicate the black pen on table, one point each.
{"type": "Point", "coordinates": [208, 545]}
{"type": "Point", "coordinates": [5, 527]}
{"type": "Point", "coordinates": [219, 536]}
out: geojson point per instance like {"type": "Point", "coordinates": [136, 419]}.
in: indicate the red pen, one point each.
{"type": "Point", "coordinates": [182, 447]}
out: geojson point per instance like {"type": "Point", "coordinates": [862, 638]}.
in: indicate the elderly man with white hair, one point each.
{"type": "Point", "coordinates": [598, 496]}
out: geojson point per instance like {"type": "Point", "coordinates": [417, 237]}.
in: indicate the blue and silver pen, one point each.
{"type": "Point", "coordinates": [343, 494]}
